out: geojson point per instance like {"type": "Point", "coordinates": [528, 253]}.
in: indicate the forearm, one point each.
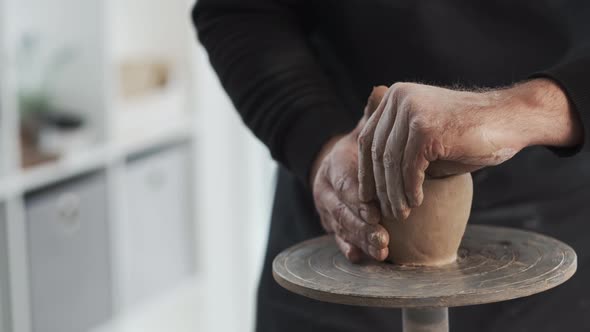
{"type": "Point", "coordinates": [538, 112]}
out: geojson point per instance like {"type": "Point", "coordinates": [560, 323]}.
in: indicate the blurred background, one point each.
{"type": "Point", "coordinates": [132, 198]}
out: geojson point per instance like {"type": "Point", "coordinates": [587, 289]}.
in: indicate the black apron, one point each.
{"type": "Point", "coordinates": [536, 190]}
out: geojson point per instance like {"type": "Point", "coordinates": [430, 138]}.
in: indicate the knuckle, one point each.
{"type": "Point", "coordinates": [399, 88]}
{"type": "Point", "coordinates": [339, 212]}
{"type": "Point", "coordinates": [362, 173]}
{"type": "Point", "coordinates": [400, 92]}
{"type": "Point", "coordinates": [388, 160]}
{"type": "Point", "coordinates": [342, 184]}
{"type": "Point", "coordinates": [380, 188]}
{"type": "Point", "coordinates": [420, 125]}
{"type": "Point", "coordinates": [376, 152]}
{"type": "Point", "coordinates": [363, 139]}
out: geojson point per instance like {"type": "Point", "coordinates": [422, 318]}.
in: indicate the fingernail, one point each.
{"type": "Point", "coordinates": [415, 200]}
{"type": "Point", "coordinates": [420, 198]}
{"type": "Point", "coordinates": [412, 201]}
{"type": "Point", "coordinates": [380, 238]}
{"type": "Point", "coordinates": [373, 252]}
{"type": "Point", "coordinates": [404, 213]}
{"type": "Point", "coordinates": [376, 253]}
{"type": "Point", "coordinates": [376, 239]}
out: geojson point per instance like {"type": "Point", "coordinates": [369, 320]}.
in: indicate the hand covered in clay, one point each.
{"type": "Point", "coordinates": [416, 126]}
{"type": "Point", "coordinates": [335, 190]}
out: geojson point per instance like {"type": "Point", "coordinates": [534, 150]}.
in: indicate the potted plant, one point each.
{"type": "Point", "coordinates": [37, 77]}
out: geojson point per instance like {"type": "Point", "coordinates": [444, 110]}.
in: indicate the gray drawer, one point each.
{"type": "Point", "coordinates": [69, 255]}
{"type": "Point", "coordinates": [154, 237]}
{"type": "Point", "coordinates": [4, 275]}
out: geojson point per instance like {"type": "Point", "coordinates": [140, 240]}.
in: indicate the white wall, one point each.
{"type": "Point", "coordinates": [150, 28]}
{"type": "Point", "coordinates": [236, 184]}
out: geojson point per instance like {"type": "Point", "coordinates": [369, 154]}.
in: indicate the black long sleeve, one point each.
{"type": "Point", "coordinates": [574, 78]}
{"type": "Point", "coordinates": [278, 80]}
{"type": "Point", "coordinates": [262, 57]}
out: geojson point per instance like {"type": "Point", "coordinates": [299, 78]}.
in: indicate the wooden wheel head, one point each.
{"type": "Point", "coordinates": [494, 264]}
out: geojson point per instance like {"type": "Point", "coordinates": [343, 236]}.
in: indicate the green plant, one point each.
{"type": "Point", "coordinates": [38, 74]}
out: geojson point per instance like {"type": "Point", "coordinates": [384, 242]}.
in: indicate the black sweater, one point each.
{"type": "Point", "coordinates": [299, 72]}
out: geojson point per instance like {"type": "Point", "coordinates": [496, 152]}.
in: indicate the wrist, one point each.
{"type": "Point", "coordinates": [539, 113]}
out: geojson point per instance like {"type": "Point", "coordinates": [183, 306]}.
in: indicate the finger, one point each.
{"type": "Point", "coordinates": [351, 252]}
{"type": "Point", "coordinates": [382, 131]}
{"type": "Point", "coordinates": [358, 232]}
{"type": "Point", "coordinates": [392, 160]}
{"type": "Point", "coordinates": [379, 254]}
{"type": "Point", "coordinates": [369, 213]}
{"type": "Point", "coordinates": [351, 228]}
{"type": "Point", "coordinates": [326, 220]}
{"type": "Point", "coordinates": [372, 103]}
{"type": "Point", "coordinates": [375, 99]}
{"type": "Point", "coordinates": [354, 254]}
{"type": "Point", "coordinates": [346, 188]}
{"type": "Point", "coordinates": [414, 165]}
{"type": "Point", "coordinates": [325, 199]}
{"type": "Point", "coordinates": [366, 178]}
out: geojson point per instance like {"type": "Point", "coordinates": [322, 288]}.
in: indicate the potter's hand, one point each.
{"type": "Point", "coordinates": [335, 191]}
{"type": "Point", "coordinates": [416, 126]}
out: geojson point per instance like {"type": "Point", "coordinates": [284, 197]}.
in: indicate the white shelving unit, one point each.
{"type": "Point", "coordinates": [138, 149]}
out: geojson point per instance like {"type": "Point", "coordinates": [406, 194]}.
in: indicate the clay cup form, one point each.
{"type": "Point", "coordinates": [431, 235]}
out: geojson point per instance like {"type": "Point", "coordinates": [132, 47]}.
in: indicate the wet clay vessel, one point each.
{"type": "Point", "coordinates": [431, 235]}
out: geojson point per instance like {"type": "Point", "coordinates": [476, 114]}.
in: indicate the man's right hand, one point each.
{"type": "Point", "coordinates": [335, 190]}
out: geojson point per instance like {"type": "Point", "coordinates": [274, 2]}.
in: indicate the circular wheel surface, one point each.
{"type": "Point", "coordinates": [495, 264]}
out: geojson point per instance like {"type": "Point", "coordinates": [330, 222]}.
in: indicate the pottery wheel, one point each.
{"type": "Point", "coordinates": [494, 264]}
